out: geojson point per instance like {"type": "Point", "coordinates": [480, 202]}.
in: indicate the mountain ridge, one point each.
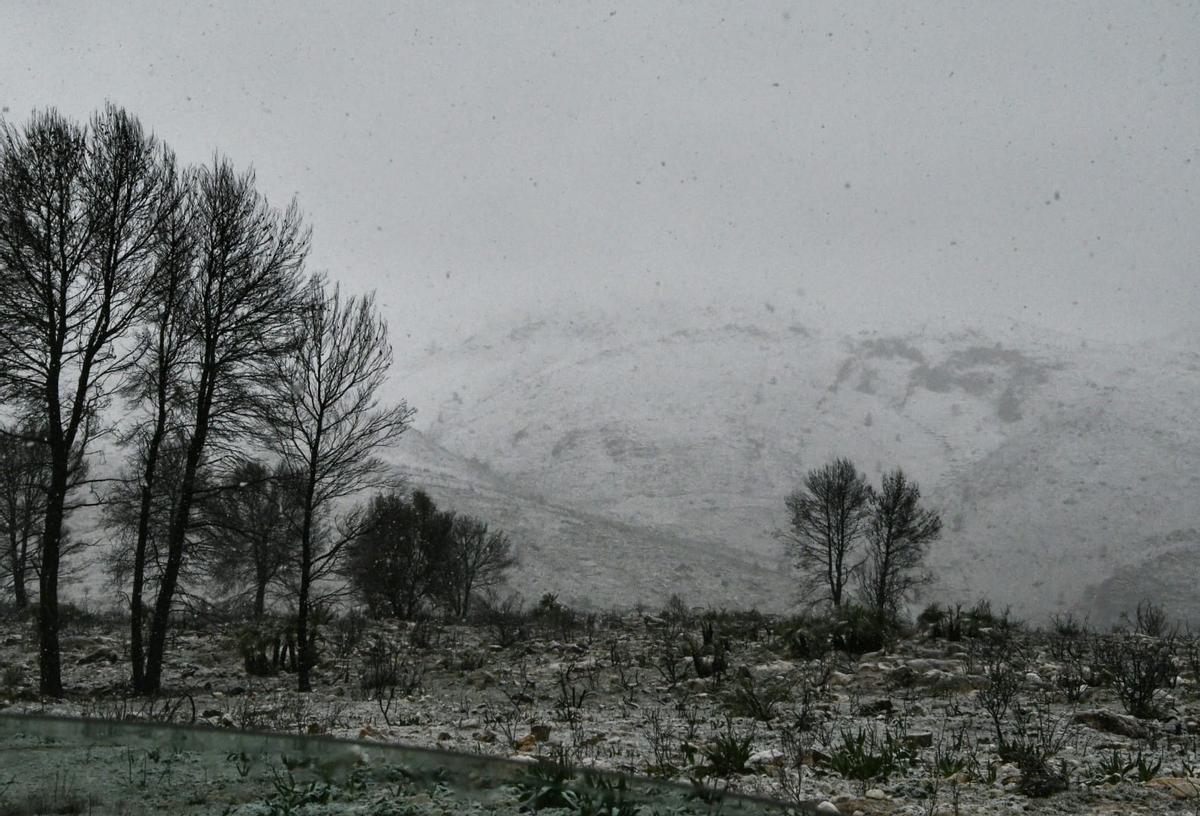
{"type": "Point", "coordinates": [695, 426]}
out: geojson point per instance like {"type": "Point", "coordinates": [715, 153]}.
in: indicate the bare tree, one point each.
{"type": "Point", "coordinates": [156, 394]}
{"type": "Point", "coordinates": [324, 420]}
{"type": "Point", "coordinates": [24, 476]}
{"type": "Point", "coordinates": [898, 534]}
{"type": "Point", "coordinates": [250, 528]}
{"type": "Point", "coordinates": [828, 516]}
{"type": "Point", "coordinates": [478, 559]}
{"type": "Point", "coordinates": [81, 209]}
{"type": "Point", "coordinates": [246, 277]}
{"type": "Point", "coordinates": [138, 555]}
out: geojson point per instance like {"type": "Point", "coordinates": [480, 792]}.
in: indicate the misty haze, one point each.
{"type": "Point", "coordinates": [665, 407]}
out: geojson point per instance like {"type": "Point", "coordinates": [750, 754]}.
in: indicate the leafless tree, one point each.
{"type": "Point", "coordinates": [246, 276]}
{"type": "Point", "coordinates": [828, 517]}
{"type": "Point", "coordinates": [81, 211]}
{"type": "Point", "coordinates": [24, 476]}
{"type": "Point", "coordinates": [156, 394]}
{"type": "Point", "coordinates": [137, 556]}
{"type": "Point", "coordinates": [478, 560]}
{"type": "Point", "coordinates": [898, 534]}
{"type": "Point", "coordinates": [323, 418]}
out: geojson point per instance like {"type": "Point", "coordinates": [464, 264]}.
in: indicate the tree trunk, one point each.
{"type": "Point", "coordinates": [137, 610]}
{"type": "Point", "coordinates": [17, 561]}
{"type": "Point", "coordinates": [20, 593]}
{"type": "Point", "coordinates": [306, 658]}
{"type": "Point", "coordinates": [260, 595]}
{"type": "Point", "coordinates": [49, 656]}
{"type": "Point", "coordinates": [152, 680]}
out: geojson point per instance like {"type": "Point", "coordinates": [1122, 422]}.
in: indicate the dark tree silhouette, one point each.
{"type": "Point", "coordinates": [141, 532]}
{"type": "Point", "coordinates": [246, 278]}
{"type": "Point", "coordinates": [24, 478]}
{"type": "Point", "coordinates": [155, 390]}
{"type": "Point", "coordinates": [323, 418]}
{"type": "Point", "coordinates": [828, 516]}
{"type": "Point", "coordinates": [476, 561]}
{"type": "Point", "coordinates": [249, 531]}
{"type": "Point", "coordinates": [399, 561]}
{"type": "Point", "coordinates": [81, 212]}
{"type": "Point", "coordinates": [898, 534]}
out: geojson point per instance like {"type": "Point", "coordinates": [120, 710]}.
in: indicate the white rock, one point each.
{"type": "Point", "coordinates": [764, 757]}
{"type": "Point", "coordinates": [827, 807]}
{"type": "Point", "coordinates": [875, 793]}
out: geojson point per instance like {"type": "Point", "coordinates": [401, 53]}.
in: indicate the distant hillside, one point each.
{"type": "Point", "coordinates": [624, 446]}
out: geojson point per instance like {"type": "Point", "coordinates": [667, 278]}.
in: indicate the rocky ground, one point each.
{"type": "Point", "coordinates": [907, 729]}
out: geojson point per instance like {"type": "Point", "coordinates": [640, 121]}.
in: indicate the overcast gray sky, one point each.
{"type": "Point", "coordinates": [1037, 159]}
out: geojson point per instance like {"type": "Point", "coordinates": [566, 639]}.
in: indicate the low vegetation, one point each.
{"type": "Point", "coordinates": [964, 709]}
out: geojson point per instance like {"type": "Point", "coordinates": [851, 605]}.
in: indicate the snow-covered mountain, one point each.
{"type": "Point", "coordinates": [634, 454]}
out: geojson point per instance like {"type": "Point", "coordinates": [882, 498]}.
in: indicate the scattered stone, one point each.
{"type": "Point", "coordinates": [919, 739]}
{"type": "Point", "coordinates": [371, 733]}
{"type": "Point", "coordinates": [767, 756]}
{"type": "Point", "coordinates": [876, 708]}
{"type": "Point", "coordinates": [960, 683]}
{"type": "Point", "coordinates": [827, 807]}
{"type": "Point", "coordinates": [778, 668]}
{"type": "Point", "coordinates": [1181, 787]}
{"type": "Point", "coordinates": [1112, 723]}
{"type": "Point", "coordinates": [105, 654]}
{"type": "Point", "coordinates": [875, 793]}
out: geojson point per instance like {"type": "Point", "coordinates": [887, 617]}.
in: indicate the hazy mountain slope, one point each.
{"type": "Point", "coordinates": [1049, 457]}
{"type": "Point", "coordinates": [588, 560]}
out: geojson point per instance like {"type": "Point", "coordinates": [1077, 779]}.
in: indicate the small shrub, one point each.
{"type": "Point", "coordinates": [759, 701]}
{"type": "Point", "coordinates": [1039, 736]}
{"type": "Point", "coordinates": [384, 669]}
{"type": "Point", "coordinates": [865, 756]}
{"type": "Point", "coordinates": [857, 631]}
{"type": "Point", "coordinates": [1151, 620]}
{"type": "Point", "coordinates": [728, 751]}
{"type": "Point", "coordinates": [266, 648]}
{"type": "Point", "coordinates": [676, 611]}
{"type": "Point", "coordinates": [1140, 668]}
{"type": "Point", "coordinates": [932, 616]}
{"type": "Point", "coordinates": [506, 619]}
{"type": "Point", "coordinates": [803, 637]}
{"type": "Point", "coordinates": [1116, 768]}
{"type": "Point", "coordinates": [425, 633]}
{"type": "Point", "coordinates": [557, 618]}
{"type": "Point", "coordinates": [347, 632]}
